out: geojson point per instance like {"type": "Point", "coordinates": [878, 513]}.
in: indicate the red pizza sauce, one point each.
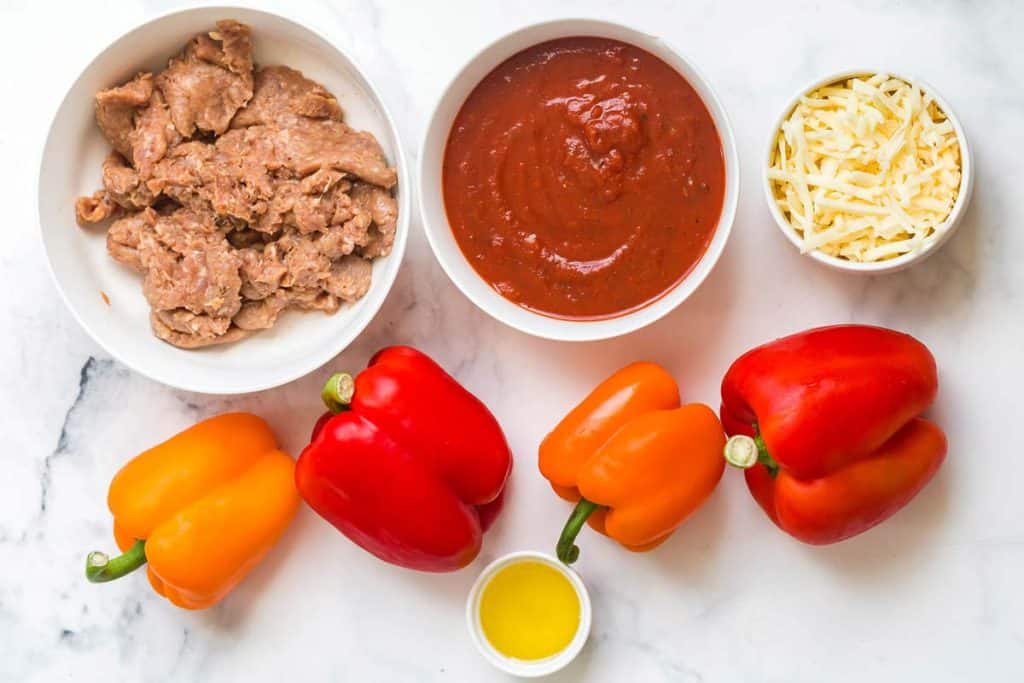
{"type": "Point", "coordinates": [583, 178]}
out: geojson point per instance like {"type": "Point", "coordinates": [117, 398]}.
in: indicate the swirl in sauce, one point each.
{"type": "Point", "coordinates": [583, 178]}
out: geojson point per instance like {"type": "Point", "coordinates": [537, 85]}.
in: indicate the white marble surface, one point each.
{"type": "Point", "coordinates": [935, 594]}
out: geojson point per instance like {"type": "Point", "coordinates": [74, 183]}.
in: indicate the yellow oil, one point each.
{"type": "Point", "coordinates": [529, 610]}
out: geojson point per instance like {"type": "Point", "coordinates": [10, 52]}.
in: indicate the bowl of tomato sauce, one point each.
{"type": "Point", "coordinates": [579, 179]}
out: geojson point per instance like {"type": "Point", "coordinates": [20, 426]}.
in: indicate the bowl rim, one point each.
{"type": "Point", "coordinates": [946, 229]}
{"type": "Point", "coordinates": [559, 329]}
{"type": "Point", "coordinates": [521, 668]}
{"type": "Point", "coordinates": [388, 276]}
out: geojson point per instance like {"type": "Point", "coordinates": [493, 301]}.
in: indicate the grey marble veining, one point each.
{"type": "Point", "coordinates": [934, 594]}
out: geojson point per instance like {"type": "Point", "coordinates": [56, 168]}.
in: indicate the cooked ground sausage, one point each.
{"type": "Point", "coordinates": [238, 193]}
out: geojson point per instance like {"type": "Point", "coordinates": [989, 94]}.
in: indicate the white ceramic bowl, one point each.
{"type": "Point", "coordinates": [518, 667]}
{"type": "Point", "coordinates": [435, 219]}
{"type": "Point", "coordinates": [70, 167]}
{"type": "Point", "coordinates": [945, 231]}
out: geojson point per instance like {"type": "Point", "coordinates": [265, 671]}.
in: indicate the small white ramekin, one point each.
{"type": "Point", "coordinates": [519, 667]}
{"type": "Point", "coordinates": [435, 218]}
{"type": "Point", "coordinates": [945, 230]}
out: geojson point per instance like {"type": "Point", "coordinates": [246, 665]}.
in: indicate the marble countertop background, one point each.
{"type": "Point", "coordinates": [934, 594]}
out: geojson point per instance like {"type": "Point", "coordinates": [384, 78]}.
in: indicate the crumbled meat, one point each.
{"type": "Point", "coordinates": [125, 237]}
{"type": "Point", "coordinates": [116, 109]}
{"type": "Point", "coordinates": [262, 272]}
{"type": "Point", "coordinates": [384, 210]}
{"type": "Point", "coordinates": [203, 335]}
{"type": "Point", "coordinates": [242, 195]}
{"type": "Point", "coordinates": [177, 176]}
{"type": "Point", "coordinates": [232, 178]}
{"type": "Point", "coordinates": [153, 135]}
{"type": "Point", "coordinates": [281, 95]}
{"type": "Point", "coordinates": [307, 267]}
{"type": "Point", "coordinates": [349, 278]}
{"type": "Point", "coordinates": [262, 314]}
{"type": "Point", "coordinates": [250, 173]}
{"type": "Point", "coordinates": [309, 145]}
{"type": "Point", "coordinates": [207, 84]}
{"type": "Point", "coordinates": [124, 185]}
{"type": "Point", "coordinates": [341, 240]}
{"type": "Point", "coordinates": [322, 182]}
{"type": "Point", "coordinates": [230, 47]}
{"type": "Point", "coordinates": [135, 120]}
{"type": "Point", "coordinates": [187, 322]}
{"type": "Point", "coordinates": [244, 237]}
{"type": "Point", "coordinates": [314, 300]}
{"type": "Point", "coordinates": [236, 186]}
{"type": "Point", "coordinates": [190, 264]}
{"type": "Point", "coordinates": [253, 174]}
{"type": "Point", "coordinates": [95, 208]}
{"type": "Point", "coordinates": [315, 208]}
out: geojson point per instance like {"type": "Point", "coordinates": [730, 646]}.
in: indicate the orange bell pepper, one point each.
{"type": "Point", "coordinates": [636, 461]}
{"type": "Point", "coordinates": [202, 508]}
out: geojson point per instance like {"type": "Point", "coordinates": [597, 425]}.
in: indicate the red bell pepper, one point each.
{"type": "Point", "coordinates": [408, 464]}
{"type": "Point", "coordinates": [827, 421]}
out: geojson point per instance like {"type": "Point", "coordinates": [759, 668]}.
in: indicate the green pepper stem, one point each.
{"type": "Point", "coordinates": [338, 391]}
{"type": "Point", "coordinates": [100, 568]}
{"type": "Point", "coordinates": [741, 451]}
{"type": "Point", "coordinates": [567, 550]}
{"type": "Point", "coordinates": [744, 452]}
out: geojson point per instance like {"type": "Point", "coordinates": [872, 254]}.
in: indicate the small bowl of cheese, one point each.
{"type": "Point", "coordinates": [868, 171]}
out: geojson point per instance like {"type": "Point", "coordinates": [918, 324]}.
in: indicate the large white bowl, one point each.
{"type": "Point", "coordinates": [944, 231]}
{"type": "Point", "coordinates": [435, 219]}
{"type": "Point", "coordinates": [75, 148]}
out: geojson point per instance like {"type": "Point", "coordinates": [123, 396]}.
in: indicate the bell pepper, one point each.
{"type": "Point", "coordinates": [635, 462]}
{"type": "Point", "coordinates": [827, 425]}
{"type": "Point", "coordinates": [407, 463]}
{"type": "Point", "coordinates": [202, 509]}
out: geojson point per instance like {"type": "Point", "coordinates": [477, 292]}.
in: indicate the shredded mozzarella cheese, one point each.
{"type": "Point", "coordinates": [867, 169]}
